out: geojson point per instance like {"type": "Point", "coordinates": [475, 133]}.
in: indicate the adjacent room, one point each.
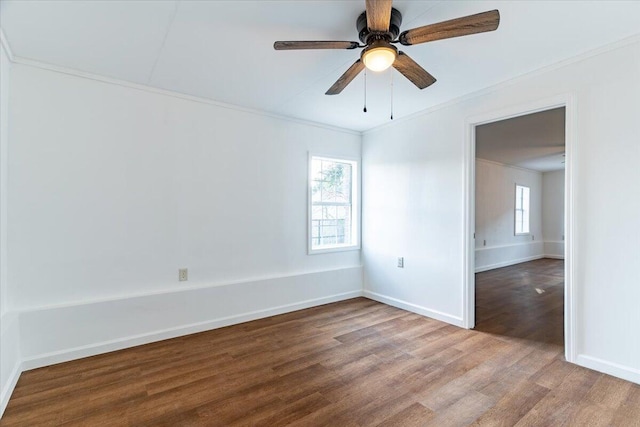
{"type": "Point", "coordinates": [319, 213]}
{"type": "Point", "coordinates": [519, 226]}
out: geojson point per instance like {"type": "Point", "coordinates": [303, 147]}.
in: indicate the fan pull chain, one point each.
{"type": "Point", "coordinates": [391, 93]}
{"type": "Point", "coordinates": [365, 90]}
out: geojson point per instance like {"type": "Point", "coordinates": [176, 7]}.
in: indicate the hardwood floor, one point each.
{"type": "Point", "coordinates": [524, 300]}
{"type": "Point", "coordinates": [353, 363]}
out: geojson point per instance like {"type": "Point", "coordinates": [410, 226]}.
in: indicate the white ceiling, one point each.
{"type": "Point", "coordinates": [223, 50]}
{"type": "Point", "coordinates": [534, 141]}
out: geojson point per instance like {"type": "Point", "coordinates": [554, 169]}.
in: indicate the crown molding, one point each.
{"type": "Point", "coordinates": [505, 83]}
{"type": "Point", "coordinates": [150, 89]}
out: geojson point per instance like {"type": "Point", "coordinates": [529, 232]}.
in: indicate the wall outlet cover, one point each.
{"type": "Point", "coordinates": [183, 274]}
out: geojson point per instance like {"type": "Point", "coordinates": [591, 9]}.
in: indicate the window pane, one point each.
{"type": "Point", "coordinates": [331, 225]}
{"type": "Point", "coordinates": [331, 183]}
{"type": "Point", "coordinates": [525, 198]}
{"type": "Point", "coordinates": [341, 180]}
{"type": "Point", "coordinates": [316, 183]}
{"type": "Point", "coordinates": [522, 203]}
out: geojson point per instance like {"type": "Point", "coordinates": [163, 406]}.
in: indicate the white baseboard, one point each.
{"type": "Point", "coordinates": [508, 263]}
{"type": "Point", "coordinates": [554, 249]}
{"type": "Point", "coordinates": [159, 335]}
{"type": "Point", "coordinates": [9, 387]}
{"type": "Point", "coordinates": [490, 257]}
{"type": "Point", "coordinates": [516, 261]}
{"type": "Point", "coordinates": [434, 314]}
{"type": "Point", "coordinates": [610, 368]}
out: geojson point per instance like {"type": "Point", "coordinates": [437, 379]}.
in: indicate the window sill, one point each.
{"type": "Point", "coordinates": [333, 249]}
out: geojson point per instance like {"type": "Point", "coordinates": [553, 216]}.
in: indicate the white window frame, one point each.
{"type": "Point", "coordinates": [355, 204]}
{"type": "Point", "coordinates": [516, 210]}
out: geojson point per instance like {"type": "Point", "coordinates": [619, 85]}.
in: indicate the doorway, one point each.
{"type": "Point", "coordinates": [506, 242]}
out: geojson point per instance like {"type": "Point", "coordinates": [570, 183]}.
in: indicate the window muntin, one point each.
{"type": "Point", "coordinates": [523, 194]}
{"type": "Point", "coordinates": [333, 207]}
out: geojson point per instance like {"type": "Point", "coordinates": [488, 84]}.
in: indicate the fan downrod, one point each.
{"type": "Point", "coordinates": [367, 36]}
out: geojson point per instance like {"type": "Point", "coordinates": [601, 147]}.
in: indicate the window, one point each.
{"type": "Point", "coordinates": [522, 209]}
{"type": "Point", "coordinates": [333, 207]}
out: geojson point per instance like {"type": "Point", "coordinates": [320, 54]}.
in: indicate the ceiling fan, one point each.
{"type": "Point", "coordinates": [379, 29]}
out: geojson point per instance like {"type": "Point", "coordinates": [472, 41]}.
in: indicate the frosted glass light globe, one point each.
{"type": "Point", "coordinates": [379, 58]}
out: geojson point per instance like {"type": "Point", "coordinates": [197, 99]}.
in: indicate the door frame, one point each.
{"type": "Point", "coordinates": [570, 295]}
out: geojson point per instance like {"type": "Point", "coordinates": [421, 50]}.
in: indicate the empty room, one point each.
{"type": "Point", "coordinates": [313, 213]}
{"type": "Point", "coordinates": [519, 224]}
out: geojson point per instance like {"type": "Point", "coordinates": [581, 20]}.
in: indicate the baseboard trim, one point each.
{"type": "Point", "coordinates": [553, 256]}
{"type": "Point", "coordinates": [131, 341]}
{"type": "Point", "coordinates": [610, 368]}
{"type": "Point", "coordinates": [434, 314]}
{"type": "Point", "coordinates": [511, 245]}
{"type": "Point", "coordinates": [9, 387]}
{"type": "Point", "coordinates": [508, 263]}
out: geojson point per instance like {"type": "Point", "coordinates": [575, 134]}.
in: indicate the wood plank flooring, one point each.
{"type": "Point", "coordinates": [352, 363]}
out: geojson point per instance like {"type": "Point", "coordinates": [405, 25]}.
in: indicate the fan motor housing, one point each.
{"type": "Point", "coordinates": [394, 27]}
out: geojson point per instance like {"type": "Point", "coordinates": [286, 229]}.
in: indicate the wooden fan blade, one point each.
{"type": "Point", "coordinates": [346, 78]}
{"type": "Point", "coordinates": [293, 45]}
{"type": "Point", "coordinates": [414, 72]}
{"type": "Point", "coordinates": [472, 24]}
{"type": "Point", "coordinates": [378, 14]}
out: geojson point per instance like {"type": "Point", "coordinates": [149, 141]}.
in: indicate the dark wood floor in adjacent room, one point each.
{"type": "Point", "coordinates": [352, 363]}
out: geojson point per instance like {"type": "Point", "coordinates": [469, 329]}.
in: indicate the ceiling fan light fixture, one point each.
{"type": "Point", "coordinates": [379, 56]}
{"type": "Point", "coordinates": [379, 29]}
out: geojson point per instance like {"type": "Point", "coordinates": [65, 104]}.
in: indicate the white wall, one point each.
{"type": "Point", "coordinates": [9, 327]}
{"type": "Point", "coordinates": [5, 76]}
{"type": "Point", "coordinates": [114, 188]}
{"type": "Point", "coordinates": [413, 193]}
{"type": "Point", "coordinates": [412, 207]}
{"type": "Point", "coordinates": [496, 245]}
{"type": "Point", "coordinates": [553, 213]}
{"type": "Point", "coordinates": [496, 242]}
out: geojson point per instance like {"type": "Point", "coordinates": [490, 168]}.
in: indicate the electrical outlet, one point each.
{"type": "Point", "coordinates": [183, 274]}
{"type": "Point", "coordinates": [400, 262]}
